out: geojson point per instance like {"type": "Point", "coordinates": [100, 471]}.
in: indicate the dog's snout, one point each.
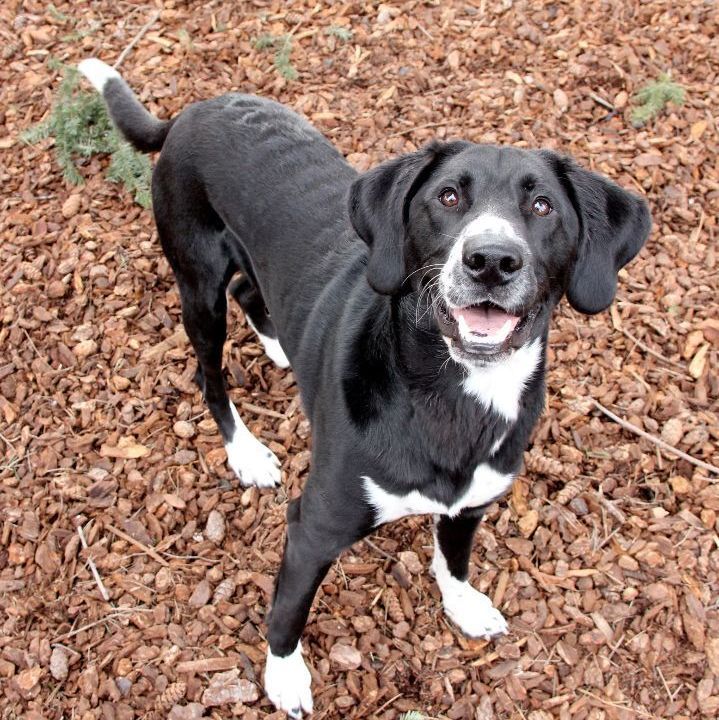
{"type": "Point", "coordinates": [492, 263]}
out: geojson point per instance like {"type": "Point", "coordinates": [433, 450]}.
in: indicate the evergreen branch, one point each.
{"type": "Point", "coordinates": [653, 98]}
{"type": "Point", "coordinates": [282, 45]}
{"type": "Point", "coordinates": [81, 128]}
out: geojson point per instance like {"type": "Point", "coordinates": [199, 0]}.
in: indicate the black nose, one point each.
{"type": "Point", "coordinates": [491, 264]}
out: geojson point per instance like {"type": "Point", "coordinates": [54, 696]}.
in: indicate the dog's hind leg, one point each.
{"type": "Point", "coordinates": [245, 290]}
{"type": "Point", "coordinates": [203, 278]}
{"type": "Point", "coordinates": [471, 610]}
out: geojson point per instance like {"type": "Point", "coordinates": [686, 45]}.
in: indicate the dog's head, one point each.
{"type": "Point", "coordinates": [492, 237]}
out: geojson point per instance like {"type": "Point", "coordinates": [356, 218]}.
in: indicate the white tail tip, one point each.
{"type": "Point", "coordinates": [97, 72]}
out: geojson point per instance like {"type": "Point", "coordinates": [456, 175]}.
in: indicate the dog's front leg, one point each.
{"type": "Point", "coordinates": [313, 542]}
{"type": "Point", "coordinates": [469, 609]}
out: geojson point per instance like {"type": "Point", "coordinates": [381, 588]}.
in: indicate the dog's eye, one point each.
{"type": "Point", "coordinates": [449, 197]}
{"type": "Point", "coordinates": [541, 207]}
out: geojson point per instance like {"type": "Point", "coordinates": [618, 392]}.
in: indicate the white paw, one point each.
{"type": "Point", "coordinates": [473, 613]}
{"type": "Point", "coordinates": [252, 462]}
{"type": "Point", "coordinates": [287, 683]}
{"type": "Point", "coordinates": [272, 347]}
{"type": "Point", "coordinates": [274, 351]}
{"type": "Point", "coordinates": [469, 609]}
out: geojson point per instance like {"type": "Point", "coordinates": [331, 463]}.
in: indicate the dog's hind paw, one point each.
{"type": "Point", "coordinates": [287, 683]}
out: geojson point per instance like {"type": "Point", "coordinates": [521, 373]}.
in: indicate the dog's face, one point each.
{"type": "Point", "coordinates": [489, 239]}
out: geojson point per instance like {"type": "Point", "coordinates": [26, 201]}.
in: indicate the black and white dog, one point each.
{"type": "Point", "coordinates": [413, 303]}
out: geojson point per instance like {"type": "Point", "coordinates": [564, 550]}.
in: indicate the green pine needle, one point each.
{"type": "Point", "coordinates": [342, 33]}
{"type": "Point", "coordinates": [81, 127]}
{"type": "Point", "coordinates": [654, 97]}
{"type": "Point", "coordinates": [282, 45]}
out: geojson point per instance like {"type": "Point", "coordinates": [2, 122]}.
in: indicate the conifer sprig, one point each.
{"type": "Point", "coordinates": [654, 97]}
{"type": "Point", "coordinates": [282, 45]}
{"type": "Point", "coordinates": [81, 128]}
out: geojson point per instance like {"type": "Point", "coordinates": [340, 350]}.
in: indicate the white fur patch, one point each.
{"type": "Point", "coordinates": [287, 683]}
{"type": "Point", "coordinates": [469, 609]}
{"type": "Point", "coordinates": [487, 484]}
{"type": "Point", "coordinates": [498, 444]}
{"type": "Point", "coordinates": [272, 347]}
{"type": "Point", "coordinates": [97, 72]}
{"type": "Point", "coordinates": [499, 385]}
{"type": "Point", "coordinates": [490, 223]}
{"type": "Point", "coordinates": [252, 462]}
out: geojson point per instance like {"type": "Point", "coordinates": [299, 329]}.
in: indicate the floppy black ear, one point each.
{"type": "Point", "coordinates": [378, 207]}
{"type": "Point", "coordinates": [613, 226]}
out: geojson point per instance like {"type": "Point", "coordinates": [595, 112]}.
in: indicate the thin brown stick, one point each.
{"type": "Point", "coordinates": [657, 441]}
{"type": "Point", "coordinates": [107, 618]}
{"type": "Point", "coordinates": [147, 550]}
{"type": "Point", "coordinates": [155, 17]}
{"type": "Point", "coordinates": [258, 410]}
{"type": "Point", "coordinates": [387, 704]}
{"type": "Point", "coordinates": [617, 705]}
{"type": "Point", "coordinates": [93, 567]}
{"type": "Point", "coordinates": [651, 352]}
{"type": "Point", "coordinates": [379, 550]}
{"type": "Point", "coordinates": [417, 127]}
{"type": "Point", "coordinates": [601, 101]}
{"type": "Point", "coordinates": [215, 664]}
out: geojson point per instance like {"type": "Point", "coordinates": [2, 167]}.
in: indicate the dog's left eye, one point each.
{"type": "Point", "coordinates": [541, 207]}
{"type": "Point", "coordinates": [449, 197]}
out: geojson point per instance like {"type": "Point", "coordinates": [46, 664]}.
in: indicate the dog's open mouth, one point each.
{"type": "Point", "coordinates": [484, 329]}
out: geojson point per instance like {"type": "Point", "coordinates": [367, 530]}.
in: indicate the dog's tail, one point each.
{"type": "Point", "coordinates": [139, 127]}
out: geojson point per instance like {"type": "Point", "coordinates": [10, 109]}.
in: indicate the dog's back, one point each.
{"type": "Point", "coordinates": [246, 166]}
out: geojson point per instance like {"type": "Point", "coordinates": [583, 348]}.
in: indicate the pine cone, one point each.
{"type": "Point", "coordinates": [570, 491]}
{"type": "Point", "coordinates": [172, 695]}
{"type": "Point", "coordinates": [393, 606]}
{"type": "Point", "coordinates": [224, 591]}
{"type": "Point", "coordinates": [537, 463]}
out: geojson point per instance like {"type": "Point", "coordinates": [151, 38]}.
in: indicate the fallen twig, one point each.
{"type": "Point", "coordinates": [617, 705]}
{"type": "Point", "coordinates": [263, 411]}
{"type": "Point", "coordinates": [379, 550]}
{"type": "Point", "coordinates": [136, 39]}
{"type": "Point", "coordinates": [409, 130]}
{"type": "Point", "coordinates": [601, 101]}
{"type": "Point", "coordinates": [651, 352]}
{"type": "Point", "coordinates": [93, 567]}
{"type": "Point", "coordinates": [657, 441]}
{"type": "Point", "coordinates": [141, 546]}
{"type": "Point", "coordinates": [215, 664]}
{"type": "Point", "coordinates": [107, 618]}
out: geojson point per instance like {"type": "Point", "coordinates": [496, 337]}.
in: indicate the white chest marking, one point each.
{"type": "Point", "coordinates": [486, 485]}
{"type": "Point", "coordinates": [500, 385]}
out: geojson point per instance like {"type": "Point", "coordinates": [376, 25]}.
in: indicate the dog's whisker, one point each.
{"type": "Point", "coordinates": [431, 266]}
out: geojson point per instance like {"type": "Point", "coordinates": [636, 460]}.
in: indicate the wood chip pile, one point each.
{"type": "Point", "coordinates": [604, 559]}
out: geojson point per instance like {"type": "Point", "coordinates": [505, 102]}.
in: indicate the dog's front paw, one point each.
{"type": "Point", "coordinates": [473, 612]}
{"type": "Point", "coordinates": [287, 683]}
{"type": "Point", "coordinates": [253, 463]}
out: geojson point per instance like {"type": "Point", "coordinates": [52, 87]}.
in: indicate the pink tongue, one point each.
{"type": "Point", "coordinates": [484, 320]}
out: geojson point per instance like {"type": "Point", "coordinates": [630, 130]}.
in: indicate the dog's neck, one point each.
{"type": "Point", "coordinates": [435, 379]}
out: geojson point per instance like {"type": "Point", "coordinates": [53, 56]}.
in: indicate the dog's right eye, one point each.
{"type": "Point", "coordinates": [449, 197]}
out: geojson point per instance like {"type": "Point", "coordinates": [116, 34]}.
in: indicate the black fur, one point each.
{"type": "Point", "coordinates": [245, 185]}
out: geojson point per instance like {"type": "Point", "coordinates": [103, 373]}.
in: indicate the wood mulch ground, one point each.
{"type": "Point", "coordinates": [605, 559]}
